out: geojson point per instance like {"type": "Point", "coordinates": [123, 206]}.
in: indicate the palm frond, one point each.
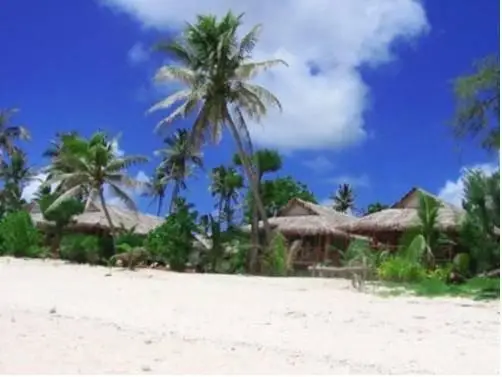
{"type": "Point", "coordinates": [249, 70]}
{"type": "Point", "coordinates": [123, 197]}
{"type": "Point", "coordinates": [174, 73]}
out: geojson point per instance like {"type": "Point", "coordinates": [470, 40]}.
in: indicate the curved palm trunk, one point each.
{"type": "Point", "coordinates": [220, 209]}
{"type": "Point", "coordinates": [108, 217]}
{"type": "Point", "coordinates": [255, 241]}
{"type": "Point", "coordinates": [176, 191]}
{"type": "Point", "coordinates": [159, 206]}
{"type": "Point", "coordinates": [252, 178]}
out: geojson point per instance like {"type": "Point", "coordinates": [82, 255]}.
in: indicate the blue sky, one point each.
{"type": "Point", "coordinates": [374, 114]}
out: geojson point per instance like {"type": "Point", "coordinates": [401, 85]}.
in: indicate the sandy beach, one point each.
{"type": "Point", "coordinates": [61, 318]}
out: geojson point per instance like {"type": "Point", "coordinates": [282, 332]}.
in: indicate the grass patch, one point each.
{"type": "Point", "coordinates": [476, 288]}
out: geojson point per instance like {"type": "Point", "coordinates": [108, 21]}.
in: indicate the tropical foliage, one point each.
{"type": "Point", "coordinates": [480, 230]}
{"type": "Point", "coordinates": [478, 104]}
{"type": "Point", "coordinates": [179, 158]}
{"type": "Point", "coordinates": [84, 167]}
{"type": "Point", "coordinates": [343, 198]}
{"type": "Point", "coordinates": [215, 68]}
{"type": "Point", "coordinates": [213, 61]}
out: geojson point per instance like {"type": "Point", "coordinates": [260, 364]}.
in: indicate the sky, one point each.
{"type": "Point", "coordinates": [367, 94]}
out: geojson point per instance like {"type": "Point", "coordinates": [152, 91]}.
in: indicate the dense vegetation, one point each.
{"type": "Point", "coordinates": [214, 66]}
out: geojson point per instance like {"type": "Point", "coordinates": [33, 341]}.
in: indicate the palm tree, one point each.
{"type": "Point", "coordinates": [226, 183]}
{"type": "Point", "coordinates": [9, 132]}
{"type": "Point", "coordinates": [264, 161]}
{"type": "Point", "coordinates": [343, 198]}
{"type": "Point", "coordinates": [375, 207]}
{"type": "Point", "coordinates": [215, 68]}
{"type": "Point", "coordinates": [178, 159]}
{"type": "Point", "coordinates": [15, 173]}
{"type": "Point", "coordinates": [57, 143]}
{"type": "Point", "coordinates": [86, 166]}
{"type": "Point", "coordinates": [156, 189]}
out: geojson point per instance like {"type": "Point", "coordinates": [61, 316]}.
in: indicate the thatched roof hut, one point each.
{"type": "Point", "coordinates": [299, 207]}
{"type": "Point", "coordinates": [94, 219]}
{"type": "Point", "coordinates": [400, 220]}
{"type": "Point", "coordinates": [403, 215]}
{"type": "Point", "coordinates": [303, 218]}
{"type": "Point", "coordinates": [303, 226]}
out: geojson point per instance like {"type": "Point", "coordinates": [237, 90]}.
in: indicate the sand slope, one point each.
{"type": "Point", "coordinates": [57, 318]}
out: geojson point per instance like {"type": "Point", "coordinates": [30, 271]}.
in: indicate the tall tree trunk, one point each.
{"type": "Point", "coordinates": [220, 209]}
{"type": "Point", "coordinates": [176, 191]}
{"type": "Point", "coordinates": [108, 217]}
{"type": "Point", "coordinates": [255, 240]}
{"type": "Point", "coordinates": [159, 206]}
{"type": "Point", "coordinates": [252, 179]}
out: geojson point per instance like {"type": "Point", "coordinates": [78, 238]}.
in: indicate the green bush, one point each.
{"type": "Point", "coordinates": [275, 259]}
{"type": "Point", "coordinates": [359, 253]}
{"type": "Point", "coordinates": [440, 273]}
{"type": "Point", "coordinates": [461, 263]}
{"type": "Point", "coordinates": [399, 269]}
{"type": "Point", "coordinates": [130, 238]}
{"type": "Point", "coordinates": [80, 248]}
{"type": "Point", "coordinates": [19, 236]}
{"type": "Point", "coordinates": [172, 241]}
{"type": "Point", "coordinates": [123, 248]}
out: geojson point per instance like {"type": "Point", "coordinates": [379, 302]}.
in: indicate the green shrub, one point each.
{"type": "Point", "coordinates": [80, 248]}
{"type": "Point", "coordinates": [399, 269]}
{"type": "Point", "coordinates": [440, 273]}
{"type": "Point", "coordinates": [360, 253]}
{"type": "Point", "coordinates": [123, 248]}
{"type": "Point", "coordinates": [172, 241]}
{"type": "Point", "coordinates": [238, 260]}
{"type": "Point", "coordinates": [461, 263]}
{"type": "Point", "coordinates": [19, 236]}
{"type": "Point", "coordinates": [275, 259]}
{"type": "Point", "coordinates": [130, 238]}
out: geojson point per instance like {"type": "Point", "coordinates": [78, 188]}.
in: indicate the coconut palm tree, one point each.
{"type": "Point", "coordinates": [225, 184]}
{"type": "Point", "coordinates": [264, 161]}
{"type": "Point", "coordinates": [375, 207]}
{"type": "Point", "coordinates": [15, 173]}
{"type": "Point", "coordinates": [10, 132]}
{"type": "Point", "coordinates": [343, 198]}
{"type": "Point", "coordinates": [156, 189]}
{"type": "Point", "coordinates": [57, 143]}
{"type": "Point", "coordinates": [87, 166]}
{"type": "Point", "coordinates": [178, 158]}
{"type": "Point", "coordinates": [215, 68]}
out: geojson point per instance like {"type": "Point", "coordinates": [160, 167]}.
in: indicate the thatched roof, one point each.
{"type": "Point", "coordinates": [412, 200]}
{"type": "Point", "coordinates": [335, 217]}
{"type": "Point", "coordinates": [304, 226]}
{"type": "Point", "coordinates": [403, 215]}
{"type": "Point", "coordinates": [94, 218]}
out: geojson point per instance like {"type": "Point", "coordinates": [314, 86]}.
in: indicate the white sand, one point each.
{"type": "Point", "coordinates": [57, 318]}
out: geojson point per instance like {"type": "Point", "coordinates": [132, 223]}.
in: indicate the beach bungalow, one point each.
{"type": "Point", "coordinates": [318, 229]}
{"type": "Point", "coordinates": [93, 220]}
{"type": "Point", "coordinates": [387, 226]}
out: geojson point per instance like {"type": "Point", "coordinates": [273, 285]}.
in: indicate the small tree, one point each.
{"type": "Point", "coordinates": [60, 216]}
{"type": "Point", "coordinates": [172, 241]}
{"type": "Point", "coordinates": [343, 198]}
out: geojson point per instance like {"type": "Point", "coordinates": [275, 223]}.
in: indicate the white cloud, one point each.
{"type": "Point", "coordinates": [137, 54]}
{"type": "Point", "coordinates": [31, 188]}
{"type": "Point", "coordinates": [320, 164]}
{"type": "Point", "coordinates": [453, 191]}
{"type": "Point", "coordinates": [354, 181]}
{"type": "Point", "coordinates": [336, 36]}
{"type": "Point", "coordinates": [116, 148]}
